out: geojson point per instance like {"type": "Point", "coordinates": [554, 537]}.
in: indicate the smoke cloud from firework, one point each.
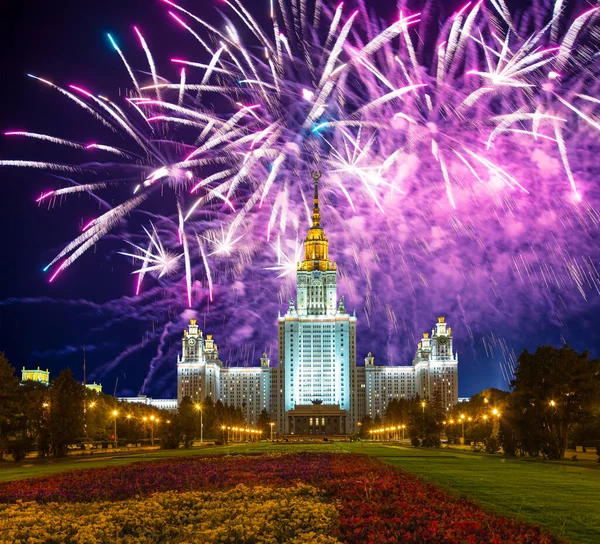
{"type": "Point", "coordinates": [458, 166]}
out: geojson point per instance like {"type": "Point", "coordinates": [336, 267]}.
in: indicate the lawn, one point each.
{"type": "Point", "coordinates": [563, 497]}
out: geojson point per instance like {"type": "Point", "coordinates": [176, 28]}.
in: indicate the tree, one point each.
{"type": "Point", "coordinates": [65, 412]}
{"type": "Point", "coordinates": [366, 424]}
{"type": "Point", "coordinates": [9, 403]}
{"type": "Point", "coordinates": [187, 420]}
{"type": "Point", "coordinates": [170, 433]}
{"type": "Point", "coordinates": [33, 427]}
{"type": "Point", "coordinates": [553, 391]}
{"type": "Point", "coordinates": [209, 419]}
{"type": "Point", "coordinates": [263, 424]}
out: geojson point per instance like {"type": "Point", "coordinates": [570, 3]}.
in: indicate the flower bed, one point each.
{"type": "Point", "coordinates": [374, 501]}
{"type": "Point", "coordinates": [243, 514]}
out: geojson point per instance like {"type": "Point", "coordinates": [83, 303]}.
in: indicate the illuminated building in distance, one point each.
{"type": "Point", "coordinates": [42, 376]}
{"type": "Point", "coordinates": [316, 387]}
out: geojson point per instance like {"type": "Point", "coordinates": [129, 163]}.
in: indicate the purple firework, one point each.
{"type": "Point", "coordinates": [457, 167]}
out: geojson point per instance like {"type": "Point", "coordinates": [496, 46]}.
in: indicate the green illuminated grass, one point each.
{"type": "Point", "coordinates": [563, 497]}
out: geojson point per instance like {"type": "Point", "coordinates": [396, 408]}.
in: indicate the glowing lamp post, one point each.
{"type": "Point", "coordinates": [462, 420]}
{"type": "Point", "coordinates": [152, 419]}
{"type": "Point", "coordinates": [423, 406]}
{"type": "Point", "coordinates": [496, 429]}
{"type": "Point", "coordinates": [115, 413]}
{"type": "Point", "coordinates": [199, 408]}
{"type": "Point", "coordinates": [272, 425]}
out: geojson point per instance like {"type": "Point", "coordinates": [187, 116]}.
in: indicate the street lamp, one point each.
{"type": "Point", "coordinates": [152, 418]}
{"type": "Point", "coordinates": [423, 406]}
{"type": "Point", "coordinates": [199, 408]}
{"type": "Point", "coordinates": [272, 424]}
{"type": "Point", "coordinates": [115, 413]}
{"type": "Point", "coordinates": [462, 420]}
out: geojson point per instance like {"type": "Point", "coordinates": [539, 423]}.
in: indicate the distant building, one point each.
{"type": "Point", "coordinates": [161, 404]}
{"type": "Point", "coordinates": [97, 387]}
{"type": "Point", "coordinates": [201, 375]}
{"type": "Point", "coordinates": [317, 386]}
{"type": "Point", "coordinates": [42, 376]}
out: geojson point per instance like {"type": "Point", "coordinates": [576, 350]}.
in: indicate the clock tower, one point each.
{"type": "Point", "coordinates": [198, 367]}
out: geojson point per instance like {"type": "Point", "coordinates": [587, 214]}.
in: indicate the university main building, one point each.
{"type": "Point", "coordinates": [317, 387]}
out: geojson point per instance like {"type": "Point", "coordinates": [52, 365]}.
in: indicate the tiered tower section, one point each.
{"type": "Point", "coordinates": [317, 338]}
{"type": "Point", "coordinates": [436, 365]}
{"type": "Point", "coordinates": [198, 367]}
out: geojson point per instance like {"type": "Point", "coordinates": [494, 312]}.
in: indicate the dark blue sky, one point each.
{"type": "Point", "coordinates": [47, 325]}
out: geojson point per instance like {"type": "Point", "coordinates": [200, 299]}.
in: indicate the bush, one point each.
{"type": "Point", "coordinates": [492, 445]}
{"type": "Point", "coordinates": [169, 443]}
{"type": "Point", "coordinates": [414, 441]}
{"type": "Point", "coordinates": [431, 441]}
{"type": "Point", "coordinates": [478, 446]}
{"type": "Point", "coordinates": [20, 448]}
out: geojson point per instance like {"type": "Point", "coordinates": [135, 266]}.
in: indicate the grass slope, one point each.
{"type": "Point", "coordinates": [563, 497]}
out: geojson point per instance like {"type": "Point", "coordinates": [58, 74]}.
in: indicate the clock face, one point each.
{"type": "Point", "coordinates": [192, 341]}
{"type": "Point", "coordinates": [443, 340]}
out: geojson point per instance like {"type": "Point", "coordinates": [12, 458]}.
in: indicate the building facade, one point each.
{"type": "Point", "coordinates": [317, 385]}
{"type": "Point", "coordinates": [161, 404]}
{"type": "Point", "coordinates": [42, 376]}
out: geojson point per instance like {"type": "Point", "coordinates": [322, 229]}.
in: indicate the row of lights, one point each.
{"type": "Point", "coordinates": [462, 418]}
{"type": "Point", "coordinates": [115, 413]}
{"type": "Point", "coordinates": [393, 429]}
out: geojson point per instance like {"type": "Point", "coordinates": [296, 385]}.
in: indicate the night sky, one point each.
{"type": "Point", "coordinates": [48, 325]}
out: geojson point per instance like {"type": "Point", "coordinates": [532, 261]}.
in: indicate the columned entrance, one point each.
{"type": "Point", "coordinates": [317, 420]}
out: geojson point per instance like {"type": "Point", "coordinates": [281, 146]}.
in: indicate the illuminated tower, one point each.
{"type": "Point", "coordinates": [198, 368]}
{"type": "Point", "coordinates": [436, 365]}
{"type": "Point", "coordinates": [317, 338]}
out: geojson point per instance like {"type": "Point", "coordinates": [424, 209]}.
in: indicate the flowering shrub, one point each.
{"type": "Point", "coordinates": [297, 515]}
{"type": "Point", "coordinates": [375, 502]}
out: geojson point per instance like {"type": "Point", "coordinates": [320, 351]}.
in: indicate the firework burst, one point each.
{"type": "Point", "coordinates": [448, 152]}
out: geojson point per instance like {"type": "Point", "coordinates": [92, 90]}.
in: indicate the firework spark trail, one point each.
{"type": "Point", "coordinates": [473, 171]}
{"type": "Point", "coordinates": [129, 70]}
{"type": "Point", "coordinates": [158, 358]}
{"type": "Point", "coordinates": [206, 268]}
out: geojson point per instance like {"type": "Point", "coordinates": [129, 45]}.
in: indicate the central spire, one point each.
{"type": "Point", "coordinates": [316, 216]}
{"type": "Point", "coordinates": [316, 245]}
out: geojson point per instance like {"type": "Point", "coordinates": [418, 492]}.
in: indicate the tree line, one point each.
{"type": "Point", "coordinates": [51, 419]}
{"type": "Point", "coordinates": [553, 403]}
